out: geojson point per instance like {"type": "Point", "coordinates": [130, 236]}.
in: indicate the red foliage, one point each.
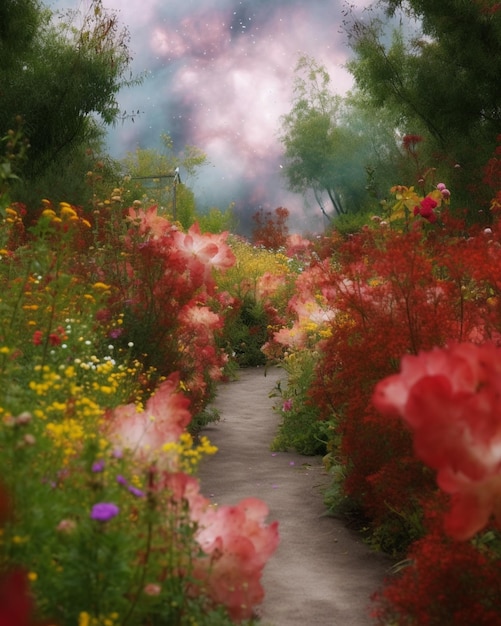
{"type": "Point", "coordinates": [445, 583]}
{"type": "Point", "coordinates": [397, 293]}
{"type": "Point", "coordinates": [161, 279]}
{"type": "Point", "coordinates": [271, 230]}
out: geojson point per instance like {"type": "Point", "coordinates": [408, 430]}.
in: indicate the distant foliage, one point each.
{"type": "Point", "coordinates": [271, 228]}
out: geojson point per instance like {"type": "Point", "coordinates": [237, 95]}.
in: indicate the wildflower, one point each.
{"type": "Point", "coordinates": [425, 209]}
{"type": "Point", "coordinates": [24, 418]}
{"type": "Point", "coordinates": [54, 339]}
{"type": "Point", "coordinates": [66, 211]}
{"type": "Point", "coordinates": [104, 511]}
{"type": "Point", "coordinates": [287, 405]}
{"type": "Point", "coordinates": [66, 526]}
{"type": "Point", "coordinates": [37, 337]}
{"type": "Point", "coordinates": [49, 213]}
{"type": "Point", "coordinates": [152, 589]}
{"type": "Point", "coordinates": [410, 142]}
{"type": "Point", "coordinates": [29, 439]}
{"type": "Point", "coordinates": [101, 286]}
{"type": "Point", "coordinates": [84, 619]}
{"type": "Point", "coordinates": [130, 488]}
{"type": "Point", "coordinates": [98, 466]}
{"type": "Point", "coordinates": [135, 491]}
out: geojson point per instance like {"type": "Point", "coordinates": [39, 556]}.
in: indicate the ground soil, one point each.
{"type": "Point", "coordinates": [322, 574]}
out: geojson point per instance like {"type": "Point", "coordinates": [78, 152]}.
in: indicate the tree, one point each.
{"type": "Point", "coordinates": [441, 81]}
{"type": "Point", "coordinates": [62, 78]}
{"type": "Point", "coordinates": [326, 151]}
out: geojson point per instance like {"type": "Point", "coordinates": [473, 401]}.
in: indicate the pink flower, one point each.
{"type": "Point", "coordinates": [145, 431]}
{"type": "Point", "coordinates": [235, 541]}
{"type": "Point", "coordinates": [268, 284]}
{"type": "Point", "coordinates": [200, 318]}
{"type": "Point", "coordinates": [185, 489]}
{"type": "Point", "coordinates": [451, 399]}
{"type": "Point", "coordinates": [296, 245]}
{"type": "Point", "coordinates": [152, 589]}
{"type": "Point", "coordinates": [238, 544]}
{"type": "Point", "coordinates": [149, 222]}
{"type": "Point", "coordinates": [209, 249]}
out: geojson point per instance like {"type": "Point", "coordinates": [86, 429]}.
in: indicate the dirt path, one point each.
{"type": "Point", "coordinates": [321, 574]}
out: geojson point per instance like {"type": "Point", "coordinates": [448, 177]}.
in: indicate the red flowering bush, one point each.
{"type": "Point", "coordinates": [442, 582]}
{"type": "Point", "coordinates": [384, 293]}
{"type": "Point", "coordinates": [270, 229]}
{"type": "Point", "coordinates": [162, 280]}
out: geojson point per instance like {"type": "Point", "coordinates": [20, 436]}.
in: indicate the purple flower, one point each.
{"type": "Point", "coordinates": [104, 511]}
{"type": "Point", "coordinates": [121, 480]}
{"type": "Point", "coordinates": [135, 491]}
{"type": "Point", "coordinates": [115, 333]}
{"type": "Point", "coordinates": [98, 466]}
{"type": "Point", "coordinates": [117, 453]}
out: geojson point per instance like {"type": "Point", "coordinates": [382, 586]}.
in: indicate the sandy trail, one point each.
{"type": "Point", "coordinates": [322, 574]}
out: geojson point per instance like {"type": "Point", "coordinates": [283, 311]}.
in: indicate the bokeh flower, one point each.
{"type": "Point", "coordinates": [451, 399]}
{"type": "Point", "coordinates": [104, 511]}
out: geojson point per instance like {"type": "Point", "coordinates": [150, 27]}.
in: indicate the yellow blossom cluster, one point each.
{"type": "Point", "coordinates": [71, 405]}
{"type": "Point", "coordinates": [187, 456]}
{"type": "Point", "coordinates": [251, 264]}
{"type": "Point", "coordinates": [86, 619]}
{"type": "Point", "coordinates": [67, 214]}
{"type": "Point", "coordinates": [68, 435]}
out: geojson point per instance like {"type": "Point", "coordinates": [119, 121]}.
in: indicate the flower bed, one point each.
{"type": "Point", "coordinates": [110, 347]}
{"type": "Point", "coordinates": [415, 287]}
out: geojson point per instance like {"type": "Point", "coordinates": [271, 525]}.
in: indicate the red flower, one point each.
{"type": "Point", "coordinates": [451, 399]}
{"type": "Point", "coordinates": [54, 339]}
{"type": "Point", "coordinates": [37, 337]}
{"type": "Point", "coordinates": [425, 209]}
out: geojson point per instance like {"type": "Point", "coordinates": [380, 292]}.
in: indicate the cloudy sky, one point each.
{"type": "Point", "coordinates": [219, 75]}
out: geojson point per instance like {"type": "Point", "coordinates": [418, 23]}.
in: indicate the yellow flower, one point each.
{"type": "Point", "coordinates": [32, 576]}
{"type": "Point", "coordinates": [67, 211]}
{"type": "Point", "coordinates": [101, 286]}
{"type": "Point", "coordinates": [49, 213]}
{"type": "Point", "coordinates": [84, 619]}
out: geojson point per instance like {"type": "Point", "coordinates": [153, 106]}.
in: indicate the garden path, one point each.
{"type": "Point", "coordinates": [322, 573]}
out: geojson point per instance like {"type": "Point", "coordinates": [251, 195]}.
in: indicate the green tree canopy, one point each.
{"type": "Point", "coordinates": [335, 148]}
{"type": "Point", "coordinates": [62, 77]}
{"type": "Point", "coordinates": [441, 79]}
